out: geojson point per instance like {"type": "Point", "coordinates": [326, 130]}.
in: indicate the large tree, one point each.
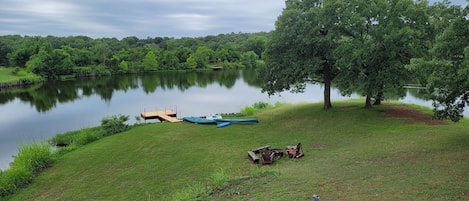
{"type": "Point", "coordinates": [379, 39]}
{"type": "Point", "coordinates": [150, 62]}
{"type": "Point", "coordinates": [300, 49]}
{"type": "Point", "coordinates": [446, 73]}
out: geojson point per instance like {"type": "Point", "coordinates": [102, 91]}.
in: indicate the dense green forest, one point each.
{"type": "Point", "coordinates": [53, 57]}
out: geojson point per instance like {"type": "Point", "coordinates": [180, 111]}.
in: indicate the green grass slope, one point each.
{"type": "Point", "coordinates": [6, 75]}
{"type": "Point", "coordinates": [351, 153]}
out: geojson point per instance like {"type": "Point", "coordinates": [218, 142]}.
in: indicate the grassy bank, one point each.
{"type": "Point", "coordinates": [15, 75]}
{"type": "Point", "coordinates": [350, 154]}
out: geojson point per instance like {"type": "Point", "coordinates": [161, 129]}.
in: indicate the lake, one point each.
{"type": "Point", "coordinates": [40, 112]}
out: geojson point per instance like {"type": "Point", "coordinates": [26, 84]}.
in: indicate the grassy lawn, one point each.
{"type": "Point", "coordinates": [350, 154]}
{"type": "Point", "coordinates": [6, 75]}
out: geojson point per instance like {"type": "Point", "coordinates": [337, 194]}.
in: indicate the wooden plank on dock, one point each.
{"type": "Point", "coordinates": [164, 115]}
{"type": "Point", "coordinates": [168, 118]}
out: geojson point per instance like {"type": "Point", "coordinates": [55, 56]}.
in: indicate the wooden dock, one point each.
{"type": "Point", "coordinates": [216, 67]}
{"type": "Point", "coordinates": [164, 115]}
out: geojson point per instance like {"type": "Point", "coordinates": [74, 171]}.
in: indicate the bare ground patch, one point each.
{"type": "Point", "coordinates": [412, 115]}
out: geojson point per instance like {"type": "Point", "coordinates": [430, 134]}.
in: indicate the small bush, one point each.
{"type": "Point", "coordinates": [78, 137]}
{"type": "Point", "coordinates": [85, 138]}
{"type": "Point", "coordinates": [114, 124]}
{"type": "Point", "coordinates": [15, 71]}
{"type": "Point", "coordinates": [248, 111]}
{"type": "Point", "coordinates": [261, 105]}
{"type": "Point", "coordinates": [35, 157]}
{"type": "Point", "coordinates": [256, 107]}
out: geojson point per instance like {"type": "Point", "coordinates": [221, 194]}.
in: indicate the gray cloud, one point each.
{"type": "Point", "coordinates": [141, 18]}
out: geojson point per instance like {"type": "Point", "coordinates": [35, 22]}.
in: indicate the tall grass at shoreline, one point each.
{"type": "Point", "coordinates": [30, 160]}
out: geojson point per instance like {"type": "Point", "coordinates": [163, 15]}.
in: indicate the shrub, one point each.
{"type": "Point", "coordinates": [85, 138]}
{"type": "Point", "coordinates": [232, 65]}
{"type": "Point", "coordinates": [114, 124]}
{"type": "Point", "coordinates": [261, 105]}
{"type": "Point", "coordinates": [78, 137]}
{"type": "Point", "coordinates": [13, 179]}
{"type": "Point", "coordinates": [248, 111]}
{"type": "Point", "coordinates": [30, 160]}
{"type": "Point", "coordinates": [256, 107]}
{"type": "Point", "coordinates": [34, 157]}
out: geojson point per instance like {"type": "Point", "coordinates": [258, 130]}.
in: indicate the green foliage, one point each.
{"type": "Point", "coordinates": [100, 70]}
{"type": "Point", "coordinates": [191, 63]}
{"type": "Point", "coordinates": [123, 66]}
{"type": "Point", "coordinates": [258, 107]}
{"type": "Point", "coordinates": [138, 119]}
{"type": "Point", "coordinates": [201, 57]}
{"type": "Point", "coordinates": [249, 59]}
{"type": "Point", "coordinates": [30, 160]}
{"type": "Point", "coordinates": [261, 105]}
{"type": "Point", "coordinates": [34, 157]}
{"type": "Point", "coordinates": [17, 75]}
{"type": "Point", "coordinates": [13, 179]}
{"type": "Point", "coordinates": [59, 151]}
{"type": "Point", "coordinates": [169, 61]}
{"type": "Point", "coordinates": [50, 63]}
{"type": "Point", "coordinates": [248, 111]}
{"type": "Point", "coordinates": [300, 49]}
{"type": "Point", "coordinates": [53, 57]}
{"type": "Point", "coordinates": [445, 75]}
{"type": "Point", "coordinates": [15, 71]}
{"type": "Point", "coordinates": [149, 62]}
{"type": "Point", "coordinates": [256, 44]}
{"type": "Point", "coordinates": [232, 65]}
{"type": "Point", "coordinates": [374, 51]}
{"type": "Point", "coordinates": [78, 137]}
{"type": "Point", "coordinates": [114, 124]}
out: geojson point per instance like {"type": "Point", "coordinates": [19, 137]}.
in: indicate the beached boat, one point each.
{"type": "Point", "coordinates": [239, 121]}
{"type": "Point", "coordinates": [223, 124]}
{"type": "Point", "coordinates": [199, 120]}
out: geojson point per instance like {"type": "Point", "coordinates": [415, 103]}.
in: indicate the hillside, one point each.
{"type": "Point", "coordinates": [351, 153]}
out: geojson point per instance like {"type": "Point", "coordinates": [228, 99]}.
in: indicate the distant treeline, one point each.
{"type": "Point", "coordinates": [54, 57]}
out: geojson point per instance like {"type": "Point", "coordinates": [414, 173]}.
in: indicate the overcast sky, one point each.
{"type": "Point", "coordinates": [141, 18]}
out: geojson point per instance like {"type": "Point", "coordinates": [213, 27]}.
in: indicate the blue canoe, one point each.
{"type": "Point", "coordinates": [239, 121]}
{"type": "Point", "coordinates": [223, 124]}
{"type": "Point", "coordinates": [198, 120]}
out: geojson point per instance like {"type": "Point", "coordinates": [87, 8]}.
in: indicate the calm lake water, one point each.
{"type": "Point", "coordinates": [40, 112]}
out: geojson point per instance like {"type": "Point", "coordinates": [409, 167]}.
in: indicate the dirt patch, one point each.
{"type": "Point", "coordinates": [318, 146]}
{"type": "Point", "coordinates": [412, 115]}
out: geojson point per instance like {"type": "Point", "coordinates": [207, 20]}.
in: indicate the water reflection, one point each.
{"type": "Point", "coordinates": [46, 96]}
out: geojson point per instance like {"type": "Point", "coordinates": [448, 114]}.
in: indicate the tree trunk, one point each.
{"type": "Point", "coordinates": [327, 87]}
{"type": "Point", "coordinates": [378, 99]}
{"type": "Point", "coordinates": [368, 102]}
